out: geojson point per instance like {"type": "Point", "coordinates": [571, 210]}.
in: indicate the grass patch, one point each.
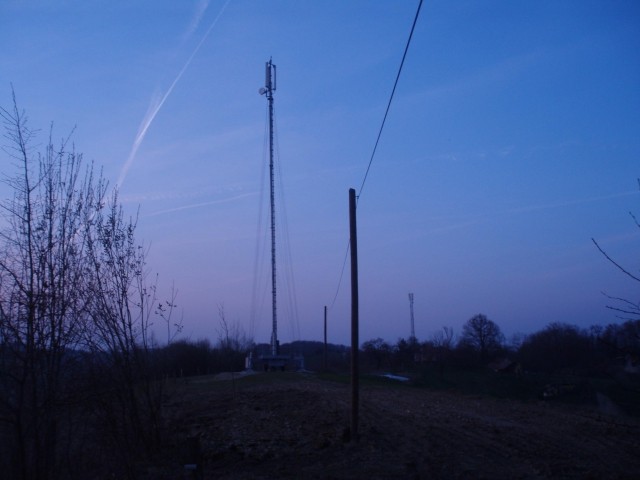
{"type": "Point", "coordinates": [577, 390]}
{"type": "Point", "coordinates": [623, 391]}
{"type": "Point", "coordinates": [227, 381]}
{"type": "Point", "coordinates": [482, 381]}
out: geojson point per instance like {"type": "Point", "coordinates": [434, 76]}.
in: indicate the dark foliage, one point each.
{"type": "Point", "coordinates": [558, 347]}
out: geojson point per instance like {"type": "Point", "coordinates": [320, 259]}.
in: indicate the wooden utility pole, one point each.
{"type": "Point", "coordinates": [355, 394]}
{"type": "Point", "coordinates": [325, 338]}
{"type": "Point", "coordinates": [413, 328]}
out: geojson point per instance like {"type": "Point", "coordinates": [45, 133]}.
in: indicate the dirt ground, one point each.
{"type": "Point", "coordinates": [296, 426]}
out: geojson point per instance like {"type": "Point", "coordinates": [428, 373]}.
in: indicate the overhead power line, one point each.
{"type": "Point", "coordinates": [395, 84]}
{"type": "Point", "coordinates": [375, 147]}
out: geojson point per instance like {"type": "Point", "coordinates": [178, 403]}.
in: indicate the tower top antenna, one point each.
{"type": "Point", "coordinates": [269, 79]}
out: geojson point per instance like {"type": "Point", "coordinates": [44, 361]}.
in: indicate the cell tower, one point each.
{"type": "Point", "coordinates": [275, 360]}
{"type": "Point", "coordinates": [413, 330]}
{"type": "Point", "coordinates": [268, 89]}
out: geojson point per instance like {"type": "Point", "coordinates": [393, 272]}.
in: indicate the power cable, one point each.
{"type": "Point", "coordinates": [344, 263]}
{"type": "Point", "coordinates": [375, 147]}
{"type": "Point", "coordinates": [256, 299]}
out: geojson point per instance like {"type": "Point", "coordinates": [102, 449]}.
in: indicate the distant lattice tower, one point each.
{"type": "Point", "coordinates": [413, 329]}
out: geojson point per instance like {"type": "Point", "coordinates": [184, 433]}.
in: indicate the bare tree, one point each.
{"type": "Point", "coordinates": [626, 309]}
{"type": "Point", "coordinates": [443, 341]}
{"type": "Point", "coordinates": [443, 338]}
{"type": "Point", "coordinates": [165, 311]}
{"type": "Point", "coordinates": [231, 336]}
{"type": "Point", "coordinates": [43, 306]}
{"type": "Point", "coordinates": [483, 335]}
{"type": "Point", "coordinates": [121, 312]}
{"type": "Point", "coordinates": [73, 287]}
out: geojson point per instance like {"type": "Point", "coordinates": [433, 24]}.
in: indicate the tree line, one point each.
{"type": "Point", "coordinates": [559, 347]}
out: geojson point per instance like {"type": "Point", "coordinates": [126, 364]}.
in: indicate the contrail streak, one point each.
{"type": "Point", "coordinates": [202, 204]}
{"type": "Point", "coordinates": [154, 109]}
{"type": "Point", "coordinates": [200, 9]}
{"type": "Point", "coordinates": [569, 203]}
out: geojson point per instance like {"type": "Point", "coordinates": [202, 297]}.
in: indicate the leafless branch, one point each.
{"type": "Point", "coordinates": [637, 279]}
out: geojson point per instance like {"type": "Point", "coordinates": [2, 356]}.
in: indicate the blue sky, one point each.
{"type": "Point", "coordinates": [512, 140]}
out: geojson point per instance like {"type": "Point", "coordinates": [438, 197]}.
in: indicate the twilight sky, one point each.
{"type": "Point", "coordinates": [512, 140]}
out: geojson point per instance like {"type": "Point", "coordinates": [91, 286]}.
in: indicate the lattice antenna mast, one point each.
{"type": "Point", "coordinates": [269, 88]}
{"type": "Point", "coordinates": [413, 329]}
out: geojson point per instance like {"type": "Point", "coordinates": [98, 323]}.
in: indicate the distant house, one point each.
{"type": "Point", "coordinates": [632, 363]}
{"type": "Point", "coordinates": [506, 365]}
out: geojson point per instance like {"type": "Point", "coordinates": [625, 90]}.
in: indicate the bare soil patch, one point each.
{"type": "Point", "coordinates": [274, 426]}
